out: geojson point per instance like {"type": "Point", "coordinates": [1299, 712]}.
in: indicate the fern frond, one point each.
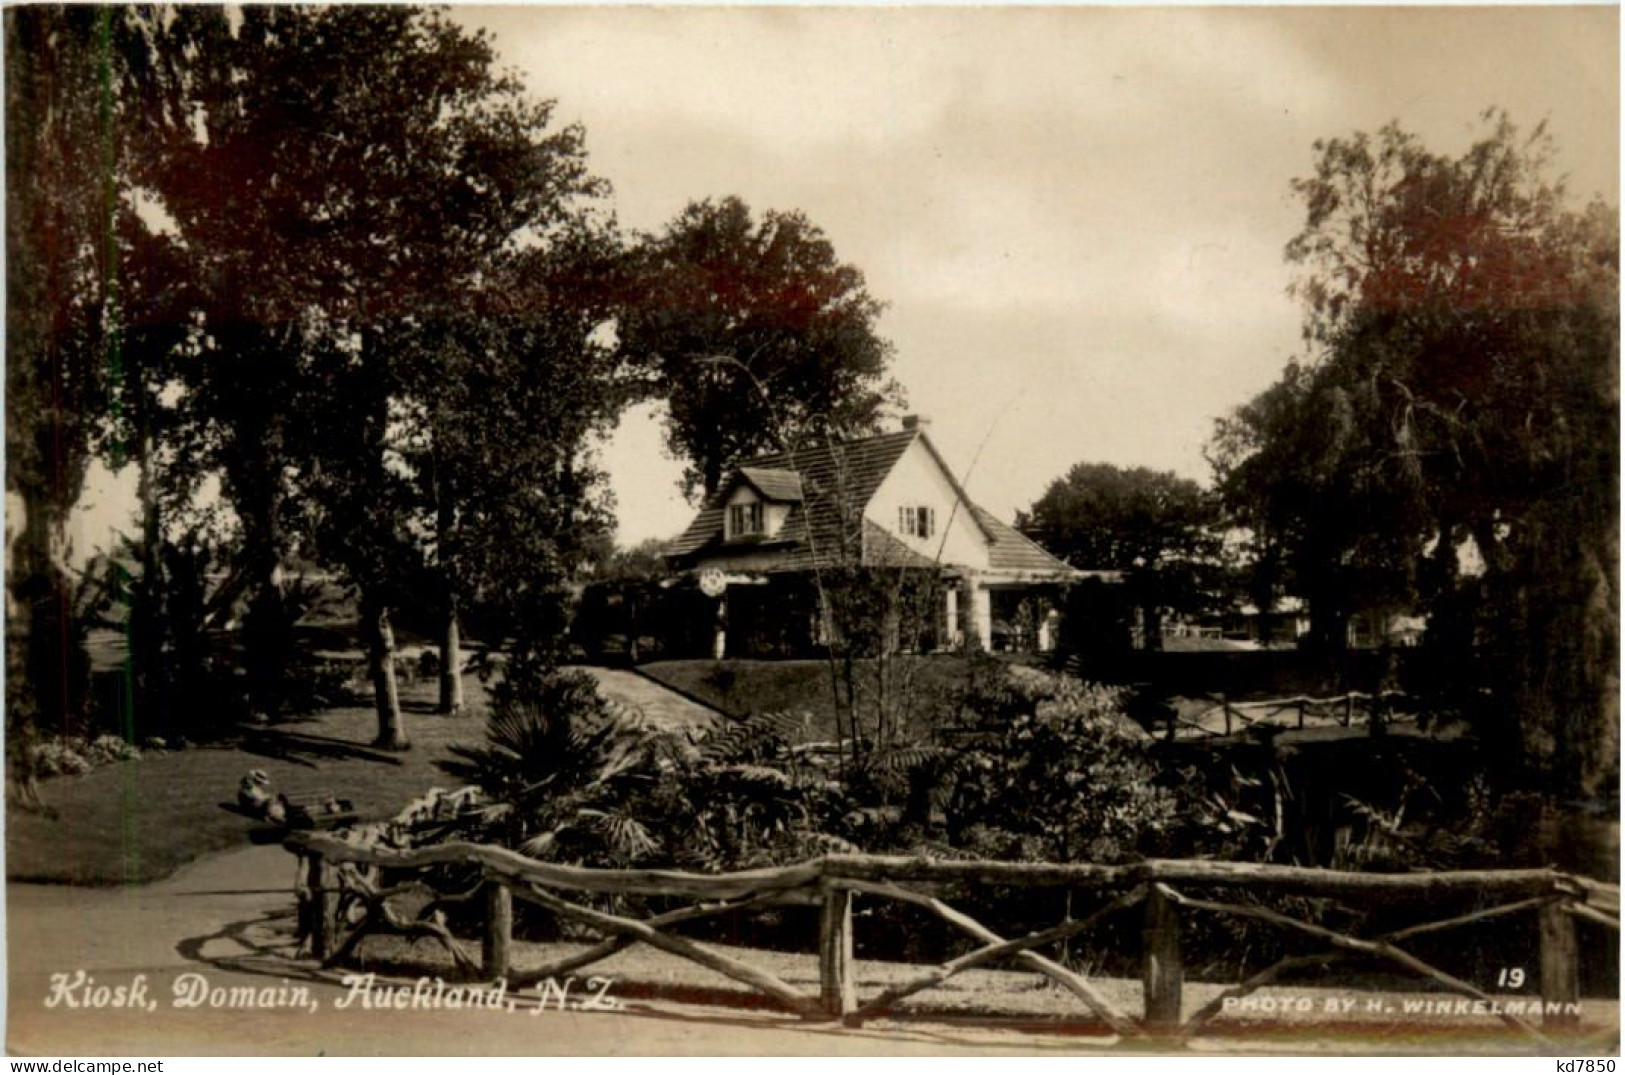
{"type": "Point", "coordinates": [752, 738]}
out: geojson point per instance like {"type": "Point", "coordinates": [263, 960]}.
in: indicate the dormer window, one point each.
{"type": "Point", "coordinates": [917, 521]}
{"type": "Point", "coordinates": [745, 520]}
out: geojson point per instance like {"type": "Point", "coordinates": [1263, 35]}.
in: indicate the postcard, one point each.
{"type": "Point", "coordinates": [812, 531]}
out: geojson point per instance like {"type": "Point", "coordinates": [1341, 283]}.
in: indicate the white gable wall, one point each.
{"type": "Point", "coordinates": [917, 481]}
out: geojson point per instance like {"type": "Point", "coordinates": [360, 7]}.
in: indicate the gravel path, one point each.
{"type": "Point", "coordinates": [226, 923]}
{"type": "Point", "coordinates": [665, 708]}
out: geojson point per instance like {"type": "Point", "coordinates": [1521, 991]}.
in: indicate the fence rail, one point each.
{"type": "Point", "coordinates": [1344, 710]}
{"type": "Point", "coordinates": [336, 872]}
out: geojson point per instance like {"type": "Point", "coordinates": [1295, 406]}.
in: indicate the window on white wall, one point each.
{"type": "Point", "coordinates": [917, 521]}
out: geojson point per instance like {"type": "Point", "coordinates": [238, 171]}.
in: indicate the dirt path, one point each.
{"type": "Point", "coordinates": [227, 921]}
{"type": "Point", "coordinates": [664, 707]}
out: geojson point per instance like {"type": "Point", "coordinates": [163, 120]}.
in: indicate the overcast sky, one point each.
{"type": "Point", "coordinates": [1076, 216]}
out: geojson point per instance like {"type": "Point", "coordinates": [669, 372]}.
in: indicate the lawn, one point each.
{"type": "Point", "coordinates": [138, 821]}
{"type": "Point", "coordinates": [742, 688]}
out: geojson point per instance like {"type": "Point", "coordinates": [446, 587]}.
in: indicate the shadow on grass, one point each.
{"type": "Point", "coordinates": [307, 750]}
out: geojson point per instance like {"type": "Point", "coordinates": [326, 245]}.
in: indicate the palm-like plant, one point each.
{"type": "Point", "coordinates": [572, 776]}
{"type": "Point", "coordinates": [565, 769]}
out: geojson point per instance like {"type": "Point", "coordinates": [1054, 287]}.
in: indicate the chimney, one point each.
{"type": "Point", "coordinates": [916, 421]}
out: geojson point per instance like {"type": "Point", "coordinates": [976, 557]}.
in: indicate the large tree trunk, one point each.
{"type": "Point", "coordinates": [266, 641]}
{"type": "Point", "coordinates": [267, 631]}
{"type": "Point", "coordinates": [1328, 617]}
{"type": "Point", "coordinates": [45, 660]}
{"type": "Point", "coordinates": [630, 595]}
{"type": "Point", "coordinates": [1151, 623]}
{"type": "Point", "coordinates": [149, 650]}
{"type": "Point", "coordinates": [57, 664]}
{"type": "Point", "coordinates": [451, 650]}
{"type": "Point", "coordinates": [710, 477]}
{"type": "Point", "coordinates": [376, 576]}
{"type": "Point", "coordinates": [451, 664]}
{"type": "Point", "coordinates": [381, 664]}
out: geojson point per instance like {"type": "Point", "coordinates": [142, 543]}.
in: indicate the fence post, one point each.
{"type": "Point", "coordinates": [1224, 703]}
{"type": "Point", "coordinates": [1559, 965]}
{"type": "Point", "coordinates": [318, 907]}
{"type": "Point", "coordinates": [837, 992]}
{"type": "Point", "coordinates": [497, 944]}
{"type": "Point", "coordinates": [1163, 971]}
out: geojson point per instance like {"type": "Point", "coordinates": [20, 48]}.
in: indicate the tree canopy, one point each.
{"type": "Point", "coordinates": [1154, 526]}
{"type": "Point", "coordinates": [771, 295]}
{"type": "Point", "coordinates": [337, 260]}
{"type": "Point", "coordinates": [1460, 407]}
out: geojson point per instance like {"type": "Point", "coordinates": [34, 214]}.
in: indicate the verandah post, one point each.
{"type": "Point", "coordinates": [836, 988]}
{"type": "Point", "coordinates": [497, 944]}
{"type": "Point", "coordinates": [1163, 971]}
{"type": "Point", "coordinates": [1559, 967]}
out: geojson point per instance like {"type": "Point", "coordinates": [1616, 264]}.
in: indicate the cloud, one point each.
{"type": "Point", "coordinates": [1077, 215]}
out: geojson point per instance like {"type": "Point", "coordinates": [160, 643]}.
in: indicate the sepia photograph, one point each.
{"type": "Point", "coordinates": [809, 531]}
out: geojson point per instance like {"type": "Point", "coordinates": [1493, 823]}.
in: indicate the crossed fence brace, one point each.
{"type": "Point", "coordinates": [340, 883]}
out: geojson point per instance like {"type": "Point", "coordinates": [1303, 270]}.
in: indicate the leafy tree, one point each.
{"type": "Point", "coordinates": [643, 562]}
{"type": "Point", "coordinates": [1155, 527]}
{"type": "Point", "coordinates": [346, 176]}
{"type": "Point", "coordinates": [770, 295]}
{"type": "Point", "coordinates": [65, 70]}
{"type": "Point", "coordinates": [1464, 395]}
{"type": "Point", "coordinates": [1327, 517]}
{"type": "Point", "coordinates": [502, 400]}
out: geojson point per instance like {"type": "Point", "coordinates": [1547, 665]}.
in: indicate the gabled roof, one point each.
{"type": "Point", "coordinates": [1014, 551]}
{"type": "Point", "coordinates": [831, 476]}
{"type": "Point", "coordinates": [783, 486]}
{"type": "Point", "coordinates": [828, 478]}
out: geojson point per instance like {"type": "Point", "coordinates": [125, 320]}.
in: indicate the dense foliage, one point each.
{"type": "Point", "coordinates": [797, 324]}
{"type": "Point", "coordinates": [1057, 774]}
{"type": "Point", "coordinates": [1158, 529]}
{"type": "Point", "coordinates": [333, 284]}
{"type": "Point", "coordinates": [572, 777]}
{"type": "Point", "coordinates": [1051, 770]}
{"type": "Point", "coordinates": [1451, 445]}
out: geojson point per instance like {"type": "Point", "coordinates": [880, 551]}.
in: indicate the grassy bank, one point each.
{"type": "Point", "coordinates": [931, 685]}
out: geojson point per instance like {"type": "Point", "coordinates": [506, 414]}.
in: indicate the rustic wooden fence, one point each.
{"type": "Point", "coordinates": [1373, 710]}
{"type": "Point", "coordinates": [343, 896]}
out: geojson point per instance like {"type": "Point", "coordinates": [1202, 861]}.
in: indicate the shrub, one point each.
{"type": "Point", "coordinates": [1057, 773]}
{"type": "Point", "coordinates": [105, 749]}
{"type": "Point", "coordinates": [60, 757]}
